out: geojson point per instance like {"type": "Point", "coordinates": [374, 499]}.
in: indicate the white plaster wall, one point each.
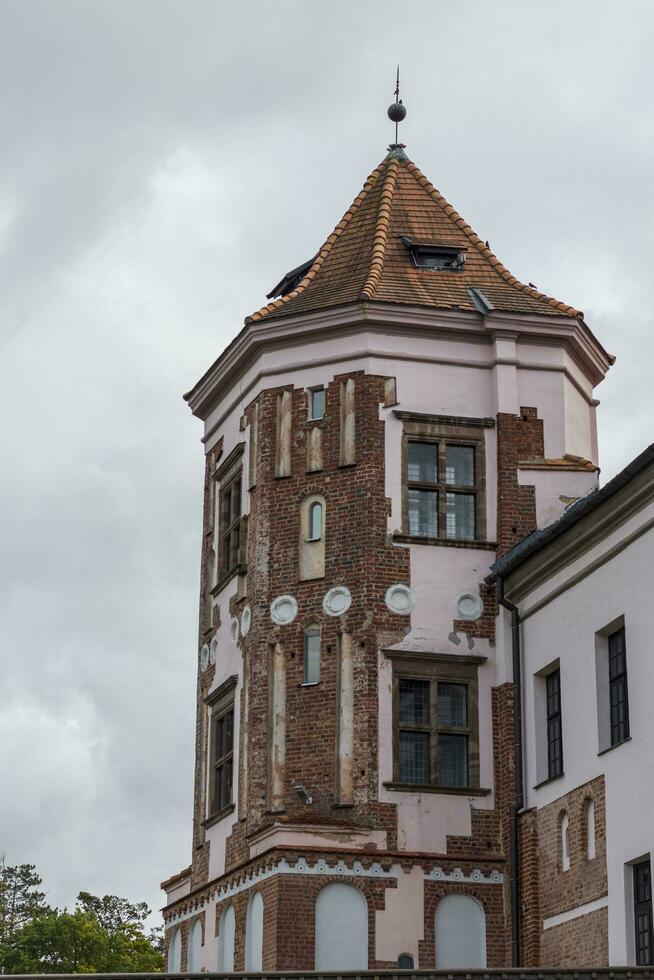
{"type": "Point", "coordinates": [225, 952]}
{"type": "Point", "coordinates": [439, 575]}
{"type": "Point", "coordinates": [578, 422]}
{"type": "Point", "coordinates": [254, 934]}
{"type": "Point", "coordinates": [566, 628]}
{"type": "Point", "coordinates": [341, 928]}
{"type": "Point", "coordinates": [552, 485]}
{"type": "Point", "coordinates": [544, 390]}
{"type": "Point", "coordinates": [460, 933]}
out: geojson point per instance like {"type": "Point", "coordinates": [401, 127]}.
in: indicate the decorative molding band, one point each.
{"type": "Point", "coordinates": [475, 877]}
{"type": "Point", "coordinates": [302, 867]}
{"type": "Point", "coordinates": [557, 920]}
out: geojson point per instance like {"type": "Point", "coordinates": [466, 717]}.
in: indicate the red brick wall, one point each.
{"type": "Point", "coordinates": [581, 942]}
{"type": "Point", "coordinates": [518, 437]}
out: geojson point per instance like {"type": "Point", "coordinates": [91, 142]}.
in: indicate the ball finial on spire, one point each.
{"type": "Point", "coordinates": [396, 110]}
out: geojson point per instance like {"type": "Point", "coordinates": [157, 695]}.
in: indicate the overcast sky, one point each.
{"type": "Point", "coordinates": [162, 164]}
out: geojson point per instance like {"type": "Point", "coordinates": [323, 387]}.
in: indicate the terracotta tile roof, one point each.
{"type": "Point", "coordinates": [365, 257]}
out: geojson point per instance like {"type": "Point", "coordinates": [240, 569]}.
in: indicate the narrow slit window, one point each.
{"type": "Point", "coordinates": [315, 522]}
{"type": "Point", "coordinates": [565, 842]}
{"type": "Point", "coordinates": [618, 694]}
{"type": "Point", "coordinates": [554, 729]}
{"type": "Point", "coordinates": [312, 656]}
{"type": "Point", "coordinates": [222, 755]}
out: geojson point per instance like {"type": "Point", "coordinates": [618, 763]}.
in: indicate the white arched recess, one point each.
{"type": "Point", "coordinates": [175, 951]}
{"type": "Point", "coordinates": [460, 933]}
{"type": "Point", "coordinates": [254, 934]}
{"type": "Point", "coordinates": [226, 933]}
{"type": "Point", "coordinates": [341, 928]}
{"type": "Point", "coordinates": [195, 947]}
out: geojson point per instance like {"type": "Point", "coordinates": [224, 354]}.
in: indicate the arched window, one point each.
{"type": "Point", "coordinates": [175, 951]}
{"type": "Point", "coordinates": [195, 947]}
{"type": "Point", "coordinates": [405, 961]}
{"type": "Point", "coordinates": [312, 533]}
{"type": "Point", "coordinates": [312, 655]}
{"type": "Point", "coordinates": [226, 933]}
{"type": "Point", "coordinates": [565, 841]}
{"type": "Point", "coordinates": [341, 928]}
{"type": "Point", "coordinates": [315, 521]}
{"type": "Point", "coordinates": [460, 933]}
{"type": "Point", "coordinates": [254, 934]}
{"type": "Point", "coordinates": [589, 823]}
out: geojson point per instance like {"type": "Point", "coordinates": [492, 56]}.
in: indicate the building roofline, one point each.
{"type": "Point", "coordinates": [543, 536]}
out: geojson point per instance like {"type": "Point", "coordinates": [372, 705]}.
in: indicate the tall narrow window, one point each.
{"type": "Point", "coordinates": [221, 758]}
{"type": "Point", "coordinates": [316, 403]}
{"type": "Point", "coordinates": [230, 520]}
{"type": "Point", "coordinates": [618, 694]}
{"type": "Point", "coordinates": [554, 731]}
{"type": "Point", "coordinates": [315, 522]}
{"type": "Point", "coordinates": [643, 913]}
{"type": "Point", "coordinates": [312, 656]}
{"type": "Point", "coordinates": [589, 815]}
{"type": "Point", "coordinates": [433, 732]}
{"type": "Point", "coordinates": [443, 489]}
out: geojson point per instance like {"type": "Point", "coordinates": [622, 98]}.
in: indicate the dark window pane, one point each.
{"type": "Point", "coordinates": [414, 757]}
{"type": "Point", "coordinates": [405, 961]}
{"type": "Point", "coordinates": [642, 882]}
{"type": "Point", "coordinates": [452, 705]}
{"type": "Point", "coordinates": [453, 760]}
{"type": "Point", "coordinates": [460, 516]}
{"type": "Point", "coordinates": [423, 512]}
{"type": "Point", "coordinates": [460, 465]}
{"type": "Point", "coordinates": [414, 702]}
{"type": "Point", "coordinates": [229, 732]}
{"type": "Point", "coordinates": [312, 657]}
{"type": "Point", "coordinates": [423, 462]}
{"type": "Point", "coordinates": [317, 403]}
{"type": "Point", "coordinates": [315, 522]}
{"type": "Point", "coordinates": [554, 729]}
{"type": "Point", "coordinates": [236, 501]}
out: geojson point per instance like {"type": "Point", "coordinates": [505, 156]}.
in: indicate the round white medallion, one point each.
{"type": "Point", "coordinates": [337, 601]}
{"type": "Point", "coordinates": [283, 610]}
{"type": "Point", "coordinates": [400, 599]}
{"type": "Point", "coordinates": [204, 657]}
{"type": "Point", "coordinates": [246, 621]}
{"type": "Point", "coordinates": [213, 650]}
{"type": "Point", "coordinates": [469, 606]}
{"type": "Point", "coordinates": [235, 630]}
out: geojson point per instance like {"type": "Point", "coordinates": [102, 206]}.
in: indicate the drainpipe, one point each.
{"type": "Point", "coordinates": [519, 779]}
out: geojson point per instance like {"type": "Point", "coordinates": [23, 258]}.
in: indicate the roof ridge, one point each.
{"type": "Point", "coordinates": [472, 235]}
{"type": "Point", "coordinates": [324, 251]}
{"type": "Point", "coordinates": [381, 230]}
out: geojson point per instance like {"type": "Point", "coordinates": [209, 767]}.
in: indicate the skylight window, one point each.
{"type": "Point", "coordinates": [440, 257]}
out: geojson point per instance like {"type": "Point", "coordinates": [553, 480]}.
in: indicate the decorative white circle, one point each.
{"type": "Point", "coordinates": [235, 630]}
{"type": "Point", "coordinates": [204, 657]}
{"type": "Point", "coordinates": [246, 621]}
{"type": "Point", "coordinates": [400, 599]}
{"type": "Point", "coordinates": [337, 601]}
{"type": "Point", "coordinates": [469, 606]}
{"type": "Point", "coordinates": [283, 610]}
{"type": "Point", "coordinates": [213, 650]}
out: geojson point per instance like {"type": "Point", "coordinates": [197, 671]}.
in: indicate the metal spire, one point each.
{"type": "Point", "coordinates": [397, 111]}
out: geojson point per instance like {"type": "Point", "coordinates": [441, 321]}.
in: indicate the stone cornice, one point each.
{"type": "Point", "coordinates": [292, 332]}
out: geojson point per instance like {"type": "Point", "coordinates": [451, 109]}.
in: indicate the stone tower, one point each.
{"type": "Point", "coordinates": [401, 412]}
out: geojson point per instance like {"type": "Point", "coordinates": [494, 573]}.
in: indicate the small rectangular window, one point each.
{"type": "Point", "coordinates": [312, 656]}
{"type": "Point", "coordinates": [618, 693]}
{"type": "Point", "coordinates": [230, 521]}
{"type": "Point", "coordinates": [554, 729]}
{"type": "Point", "coordinates": [316, 403]}
{"type": "Point", "coordinates": [642, 885]}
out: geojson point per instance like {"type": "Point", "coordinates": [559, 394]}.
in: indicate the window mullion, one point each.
{"type": "Point", "coordinates": [433, 738]}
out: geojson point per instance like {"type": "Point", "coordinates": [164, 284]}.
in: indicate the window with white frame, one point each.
{"type": "Point", "coordinates": [312, 655]}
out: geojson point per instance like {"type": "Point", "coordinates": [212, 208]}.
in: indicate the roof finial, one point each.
{"type": "Point", "coordinates": [397, 112]}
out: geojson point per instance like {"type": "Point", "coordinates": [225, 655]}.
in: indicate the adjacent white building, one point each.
{"type": "Point", "coordinates": [582, 588]}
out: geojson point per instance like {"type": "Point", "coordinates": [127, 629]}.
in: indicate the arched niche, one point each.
{"type": "Point", "coordinates": [254, 934]}
{"type": "Point", "coordinates": [460, 933]}
{"type": "Point", "coordinates": [226, 933]}
{"type": "Point", "coordinates": [313, 515]}
{"type": "Point", "coordinates": [341, 928]}
{"type": "Point", "coordinates": [195, 947]}
{"type": "Point", "coordinates": [174, 963]}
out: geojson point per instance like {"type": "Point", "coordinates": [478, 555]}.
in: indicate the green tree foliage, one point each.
{"type": "Point", "coordinates": [101, 935]}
